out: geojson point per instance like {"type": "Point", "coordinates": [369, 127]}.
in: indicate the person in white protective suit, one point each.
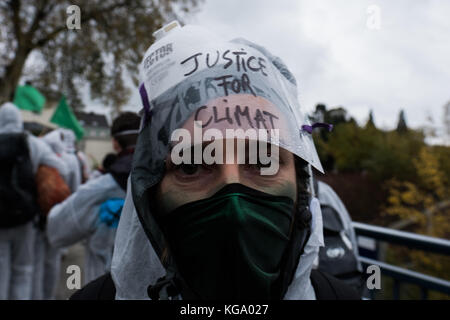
{"type": "Point", "coordinates": [48, 258]}
{"type": "Point", "coordinates": [93, 211]}
{"type": "Point", "coordinates": [70, 156]}
{"type": "Point", "coordinates": [17, 244]}
{"type": "Point", "coordinates": [218, 204]}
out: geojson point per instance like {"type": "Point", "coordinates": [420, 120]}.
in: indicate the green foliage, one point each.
{"type": "Point", "coordinates": [413, 180]}
{"type": "Point", "coordinates": [383, 154]}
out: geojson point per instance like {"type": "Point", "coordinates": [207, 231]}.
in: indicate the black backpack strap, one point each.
{"type": "Point", "coordinates": [328, 287]}
{"type": "Point", "coordinates": [102, 288]}
{"type": "Point", "coordinates": [18, 191]}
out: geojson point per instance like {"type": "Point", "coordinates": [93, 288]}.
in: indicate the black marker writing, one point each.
{"type": "Point", "coordinates": [197, 113]}
{"type": "Point", "coordinates": [239, 116]}
{"type": "Point", "coordinates": [207, 60]}
{"type": "Point", "coordinates": [238, 113]}
{"type": "Point", "coordinates": [236, 85]}
{"type": "Point", "coordinates": [196, 63]}
{"type": "Point", "coordinates": [241, 61]}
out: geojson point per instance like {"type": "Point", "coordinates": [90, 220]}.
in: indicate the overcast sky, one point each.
{"type": "Point", "coordinates": [341, 56]}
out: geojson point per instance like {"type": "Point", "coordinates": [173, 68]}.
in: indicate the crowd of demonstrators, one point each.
{"type": "Point", "coordinates": [47, 257]}
{"type": "Point", "coordinates": [49, 200]}
{"type": "Point", "coordinates": [92, 213]}
{"type": "Point", "coordinates": [21, 155]}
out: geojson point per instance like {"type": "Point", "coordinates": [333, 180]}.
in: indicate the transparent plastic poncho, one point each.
{"type": "Point", "coordinates": [192, 74]}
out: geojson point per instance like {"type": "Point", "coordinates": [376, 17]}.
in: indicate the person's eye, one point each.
{"type": "Point", "coordinates": [188, 169]}
{"type": "Point", "coordinates": [255, 168]}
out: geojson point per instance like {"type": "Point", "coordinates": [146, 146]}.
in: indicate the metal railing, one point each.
{"type": "Point", "coordinates": [402, 275]}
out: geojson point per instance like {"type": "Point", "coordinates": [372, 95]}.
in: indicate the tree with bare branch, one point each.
{"type": "Point", "coordinates": [37, 45]}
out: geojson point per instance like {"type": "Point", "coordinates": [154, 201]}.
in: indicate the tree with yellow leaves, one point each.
{"type": "Point", "coordinates": [426, 204]}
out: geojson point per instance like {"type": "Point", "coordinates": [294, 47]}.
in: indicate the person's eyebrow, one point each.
{"type": "Point", "coordinates": [281, 155]}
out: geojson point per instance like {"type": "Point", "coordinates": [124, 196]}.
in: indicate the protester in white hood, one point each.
{"type": "Point", "coordinates": [16, 244]}
{"type": "Point", "coordinates": [48, 258]}
{"type": "Point", "coordinates": [93, 211]}
{"type": "Point", "coordinates": [207, 219]}
{"type": "Point", "coordinates": [69, 155]}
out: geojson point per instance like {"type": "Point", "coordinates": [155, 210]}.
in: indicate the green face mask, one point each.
{"type": "Point", "coordinates": [230, 246]}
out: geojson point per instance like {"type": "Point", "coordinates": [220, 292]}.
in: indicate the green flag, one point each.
{"type": "Point", "coordinates": [29, 98]}
{"type": "Point", "coordinates": [65, 118]}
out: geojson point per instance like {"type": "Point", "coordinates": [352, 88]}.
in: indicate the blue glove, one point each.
{"type": "Point", "coordinates": [110, 211]}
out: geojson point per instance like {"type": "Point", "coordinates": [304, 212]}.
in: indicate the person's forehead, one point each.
{"type": "Point", "coordinates": [240, 111]}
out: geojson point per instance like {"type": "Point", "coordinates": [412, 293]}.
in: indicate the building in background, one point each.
{"type": "Point", "coordinates": [96, 142]}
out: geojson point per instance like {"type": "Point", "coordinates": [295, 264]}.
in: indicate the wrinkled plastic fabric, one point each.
{"type": "Point", "coordinates": [77, 218]}
{"type": "Point", "coordinates": [136, 265]}
{"type": "Point", "coordinates": [301, 287]}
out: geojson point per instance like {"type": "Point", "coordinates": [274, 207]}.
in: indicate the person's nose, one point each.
{"type": "Point", "coordinates": [230, 173]}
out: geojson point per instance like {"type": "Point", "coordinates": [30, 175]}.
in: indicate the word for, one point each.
{"type": "Point", "coordinates": [73, 21]}
{"type": "Point", "coordinates": [234, 309]}
{"type": "Point", "coordinates": [213, 152]}
{"type": "Point", "coordinates": [158, 54]}
{"type": "Point", "coordinates": [374, 280]}
{"type": "Point", "coordinates": [237, 59]}
{"type": "Point", "coordinates": [74, 280]}
{"type": "Point", "coordinates": [236, 85]}
{"type": "Point", "coordinates": [239, 116]}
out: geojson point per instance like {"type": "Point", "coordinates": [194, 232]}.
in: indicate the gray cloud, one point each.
{"type": "Point", "coordinates": [337, 60]}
